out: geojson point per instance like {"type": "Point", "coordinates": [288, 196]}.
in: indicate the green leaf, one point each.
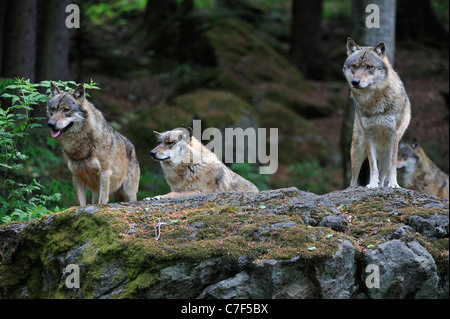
{"type": "Point", "coordinates": [312, 248]}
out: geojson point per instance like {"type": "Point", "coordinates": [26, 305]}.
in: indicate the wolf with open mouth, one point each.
{"type": "Point", "coordinates": [100, 159]}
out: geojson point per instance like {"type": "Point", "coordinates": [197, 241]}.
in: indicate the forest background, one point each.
{"type": "Point", "coordinates": [161, 64]}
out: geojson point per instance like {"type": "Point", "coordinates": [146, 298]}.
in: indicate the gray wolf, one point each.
{"type": "Point", "coordinates": [100, 159]}
{"type": "Point", "coordinates": [189, 167]}
{"type": "Point", "coordinates": [382, 113]}
{"type": "Point", "coordinates": [421, 174]}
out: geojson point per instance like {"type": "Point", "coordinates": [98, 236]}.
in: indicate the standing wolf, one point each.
{"type": "Point", "coordinates": [189, 167]}
{"type": "Point", "coordinates": [382, 112]}
{"type": "Point", "coordinates": [99, 158]}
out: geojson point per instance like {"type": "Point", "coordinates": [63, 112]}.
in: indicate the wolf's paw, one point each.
{"type": "Point", "coordinates": [393, 185]}
{"type": "Point", "coordinates": [372, 185]}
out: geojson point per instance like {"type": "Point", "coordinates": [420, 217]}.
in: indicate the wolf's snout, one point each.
{"type": "Point", "coordinates": [355, 82]}
{"type": "Point", "coordinates": [51, 124]}
{"type": "Point", "coordinates": [153, 153]}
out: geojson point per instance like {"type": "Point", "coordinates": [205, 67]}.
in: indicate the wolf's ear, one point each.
{"type": "Point", "coordinates": [352, 46]}
{"type": "Point", "coordinates": [380, 49]}
{"type": "Point", "coordinates": [184, 135]}
{"type": "Point", "coordinates": [156, 133]}
{"type": "Point", "coordinates": [79, 93]}
{"type": "Point", "coordinates": [54, 90]}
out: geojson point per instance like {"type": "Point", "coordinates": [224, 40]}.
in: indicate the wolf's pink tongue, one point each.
{"type": "Point", "coordinates": [55, 133]}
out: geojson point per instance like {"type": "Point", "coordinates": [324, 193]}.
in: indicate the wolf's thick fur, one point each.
{"type": "Point", "coordinates": [99, 158]}
{"type": "Point", "coordinates": [421, 174]}
{"type": "Point", "coordinates": [189, 167]}
{"type": "Point", "coordinates": [382, 112]}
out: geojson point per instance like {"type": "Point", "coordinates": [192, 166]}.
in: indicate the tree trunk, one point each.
{"type": "Point", "coordinates": [19, 47]}
{"type": "Point", "coordinates": [2, 29]}
{"type": "Point", "coordinates": [305, 51]}
{"type": "Point", "coordinates": [53, 47]}
{"type": "Point", "coordinates": [366, 36]}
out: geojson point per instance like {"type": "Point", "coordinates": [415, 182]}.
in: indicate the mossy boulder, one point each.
{"type": "Point", "coordinates": [247, 64]}
{"type": "Point", "coordinates": [254, 70]}
{"type": "Point", "coordinates": [298, 139]}
{"type": "Point", "coordinates": [214, 108]}
{"type": "Point", "coordinates": [271, 244]}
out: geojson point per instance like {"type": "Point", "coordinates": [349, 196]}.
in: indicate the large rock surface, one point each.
{"type": "Point", "coordinates": [354, 243]}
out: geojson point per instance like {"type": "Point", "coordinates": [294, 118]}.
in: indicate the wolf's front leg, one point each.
{"type": "Point", "coordinates": [392, 171]}
{"type": "Point", "coordinates": [385, 162]}
{"type": "Point", "coordinates": [372, 156]}
{"type": "Point", "coordinates": [358, 154]}
{"type": "Point", "coordinates": [103, 195]}
{"type": "Point", "coordinates": [80, 189]}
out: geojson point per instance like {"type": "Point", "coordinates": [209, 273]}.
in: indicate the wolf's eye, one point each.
{"type": "Point", "coordinates": [354, 67]}
{"type": "Point", "coordinates": [369, 67]}
{"type": "Point", "coordinates": [171, 143]}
